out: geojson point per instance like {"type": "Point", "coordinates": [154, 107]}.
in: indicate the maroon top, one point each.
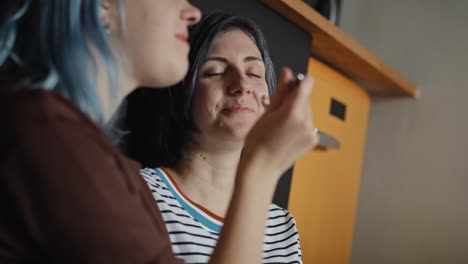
{"type": "Point", "coordinates": [66, 194]}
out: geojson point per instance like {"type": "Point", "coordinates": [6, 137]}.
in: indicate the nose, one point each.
{"type": "Point", "coordinates": [240, 86]}
{"type": "Point", "coordinates": [191, 14]}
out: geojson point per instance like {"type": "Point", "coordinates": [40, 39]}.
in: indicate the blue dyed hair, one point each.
{"type": "Point", "coordinates": [48, 44]}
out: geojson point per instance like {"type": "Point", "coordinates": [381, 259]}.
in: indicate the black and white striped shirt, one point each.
{"type": "Point", "coordinates": [194, 230]}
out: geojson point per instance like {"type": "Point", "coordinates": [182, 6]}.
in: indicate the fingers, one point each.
{"type": "Point", "coordinates": [294, 100]}
{"type": "Point", "coordinates": [299, 108]}
{"type": "Point", "coordinates": [299, 92]}
{"type": "Point", "coordinates": [282, 89]}
{"type": "Point", "coordinates": [300, 95]}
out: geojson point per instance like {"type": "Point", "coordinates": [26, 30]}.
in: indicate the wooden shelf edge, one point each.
{"type": "Point", "coordinates": [333, 46]}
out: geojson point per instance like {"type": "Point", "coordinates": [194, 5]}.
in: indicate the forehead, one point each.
{"type": "Point", "coordinates": [234, 43]}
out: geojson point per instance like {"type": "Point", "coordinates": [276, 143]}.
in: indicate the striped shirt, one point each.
{"type": "Point", "coordinates": [194, 230]}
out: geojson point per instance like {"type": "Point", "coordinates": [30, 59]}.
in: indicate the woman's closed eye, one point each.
{"type": "Point", "coordinates": [255, 71]}
{"type": "Point", "coordinates": [255, 75]}
{"type": "Point", "coordinates": [212, 74]}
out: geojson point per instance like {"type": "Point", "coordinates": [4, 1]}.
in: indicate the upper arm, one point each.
{"type": "Point", "coordinates": [79, 204]}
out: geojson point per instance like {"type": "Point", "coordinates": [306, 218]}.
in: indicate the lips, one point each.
{"type": "Point", "coordinates": [238, 109]}
{"type": "Point", "coordinates": [182, 37]}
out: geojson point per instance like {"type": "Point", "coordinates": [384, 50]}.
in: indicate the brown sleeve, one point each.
{"type": "Point", "coordinates": [78, 204]}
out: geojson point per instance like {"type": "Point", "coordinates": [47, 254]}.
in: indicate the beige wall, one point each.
{"type": "Point", "coordinates": [413, 204]}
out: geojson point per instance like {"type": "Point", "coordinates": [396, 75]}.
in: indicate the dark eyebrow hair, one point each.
{"type": "Point", "coordinates": [220, 59]}
{"type": "Point", "coordinates": [225, 61]}
{"type": "Point", "coordinates": [253, 58]}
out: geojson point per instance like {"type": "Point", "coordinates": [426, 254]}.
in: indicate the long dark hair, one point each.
{"type": "Point", "coordinates": [159, 121]}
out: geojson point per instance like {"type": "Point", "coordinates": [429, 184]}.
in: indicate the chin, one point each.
{"type": "Point", "coordinates": [240, 133]}
{"type": "Point", "coordinates": [177, 74]}
{"type": "Point", "coordinates": [168, 81]}
{"type": "Point", "coordinates": [171, 74]}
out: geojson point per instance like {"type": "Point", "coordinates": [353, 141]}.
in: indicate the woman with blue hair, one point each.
{"type": "Point", "coordinates": [66, 193]}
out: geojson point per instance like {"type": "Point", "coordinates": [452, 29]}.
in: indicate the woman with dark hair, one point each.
{"type": "Point", "coordinates": [192, 138]}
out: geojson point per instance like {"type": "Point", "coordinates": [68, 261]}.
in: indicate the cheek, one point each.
{"type": "Point", "coordinates": [263, 89]}
{"type": "Point", "coordinates": [206, 104]}
{"type": "Point", "coordinates": [266, 90]}
{"type": "Point", "coordinates": [146, 28]}
{"type": "Point", "coordinates": [209, 96]}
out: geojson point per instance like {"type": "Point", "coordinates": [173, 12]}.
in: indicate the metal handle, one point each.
{"type": "Point", "coordinates": [327, 141]}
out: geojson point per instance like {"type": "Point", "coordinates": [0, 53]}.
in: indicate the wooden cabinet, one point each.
{"type": "Point", "coordinates": [325, 183]}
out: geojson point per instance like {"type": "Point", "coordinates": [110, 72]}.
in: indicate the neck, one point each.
{"type": "Point", "coordinates": [208, 173]}
{"type": "Point", "coordinates": [110, 103]}
{"type": "Point", "coordinates": [111, 99]}
{"type": "Point", "coordinates": [112, 94]}
{"type": "Point", "coordinates": [209, 166]}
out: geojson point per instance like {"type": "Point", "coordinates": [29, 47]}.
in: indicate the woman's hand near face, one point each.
{"type": "Point", "coordinates": [284, 132]}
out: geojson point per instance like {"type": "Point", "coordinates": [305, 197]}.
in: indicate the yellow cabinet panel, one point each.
{"type": "Point", "coordinates": [325, 183]}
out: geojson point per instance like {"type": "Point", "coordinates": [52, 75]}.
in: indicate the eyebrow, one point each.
{"type": "Point", "coordinates": [225, 61]}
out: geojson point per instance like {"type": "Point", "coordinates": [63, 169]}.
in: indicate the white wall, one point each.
{"type": "Point", "coordinates": [413, 204]}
